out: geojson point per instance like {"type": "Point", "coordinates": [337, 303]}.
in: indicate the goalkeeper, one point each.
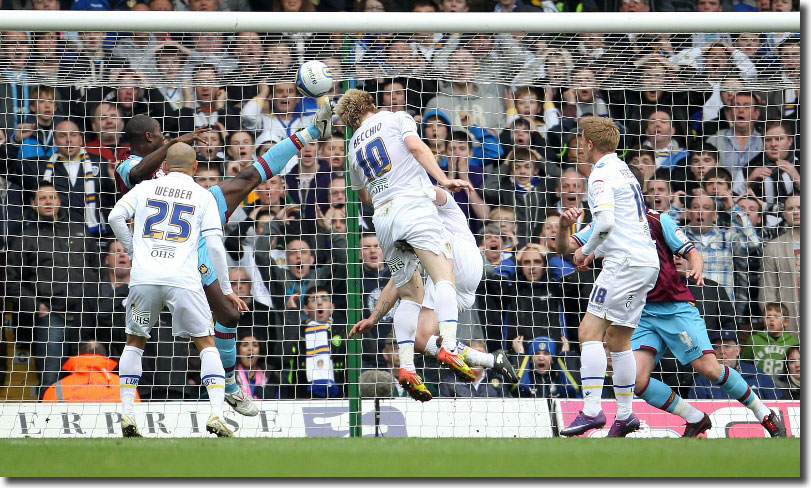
{"type": "Point", "coordinates": [147, 155]}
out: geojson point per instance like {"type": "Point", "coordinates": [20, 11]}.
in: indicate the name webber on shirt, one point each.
{"type": "Point", "coordinates": [169, 192]}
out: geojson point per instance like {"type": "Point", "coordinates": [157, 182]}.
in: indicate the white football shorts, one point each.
{"type": "Point", "coordinates": [620, 292]}
{"type": "Point", "coordinates": [468, 268]}
{"type": "Point", "coordinates": [416, 221]}
{"type": "Point", "coordinates": [191, 314]}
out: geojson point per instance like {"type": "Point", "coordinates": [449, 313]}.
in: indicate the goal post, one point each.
{"type": "Point", "coordinates": [499, 99]}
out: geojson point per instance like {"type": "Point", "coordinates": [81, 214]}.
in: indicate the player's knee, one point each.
{"type": "Point", "coordinates": [708, 367]}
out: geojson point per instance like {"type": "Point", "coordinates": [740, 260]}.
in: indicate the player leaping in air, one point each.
{"type": "Point", "coordinates": [164, 273]}
{"type": "Point", "coordinates": [148, 151]}
{"type": "Point", "coordinates": [630, 268]}
{"type": "Point", "coordinates": [670, 320]}
{"type": "Point", "coordinates": [388, 165]}
{"type": "Point", "coordinates": [468, 269]}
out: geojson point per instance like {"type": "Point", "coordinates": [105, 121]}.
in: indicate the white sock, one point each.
{"type": "Point", "coordinates": [624, 365]}
{"type": "Point", "coordinates": [760, 410]}
{"type": "Point", "coordinates": [474, 357]}
{"type": "Point", "coordinates": [129, 371]}
{"type": "Point", "coordinates": [431, 349]}
{"type": "Point", "coordinates": [447, 313]}
{"type": "Point", "coordinates": [405, 329]}
{"type": "Point", "coordinates": [686, 411]}
{"type": "Point", "coordinates": [213, 376]}
{"type": "Point", "coordinates": [593, 364]}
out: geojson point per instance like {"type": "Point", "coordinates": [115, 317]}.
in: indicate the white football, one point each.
{"type": "Point", "coordinates": [313, 79]}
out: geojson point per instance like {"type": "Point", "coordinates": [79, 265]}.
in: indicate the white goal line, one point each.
{"type": "Point", "coordinates": [623, 22]}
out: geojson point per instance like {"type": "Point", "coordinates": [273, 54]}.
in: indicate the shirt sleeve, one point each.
{"type": "Point", "coordinates": [354, 175]}
{"type": "Point", "coordinates": [582, 236]}
{"type": "Point", "coordinates": [124, 169]}
{"type": "Point", "coordinates": [674, 237]}
{"type": "Point", "coordinates": [601, 194]}
{"type": "Point", "coordinates": [210, 220]}
{"type": "Point", "coordinates": [408, 126]}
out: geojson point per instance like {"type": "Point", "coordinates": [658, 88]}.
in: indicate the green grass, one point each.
{"type": "Point", "coordinates": [400, 457]}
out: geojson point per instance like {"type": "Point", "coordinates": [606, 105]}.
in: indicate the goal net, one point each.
{"type": "Point", "coordinates": [710, 120]}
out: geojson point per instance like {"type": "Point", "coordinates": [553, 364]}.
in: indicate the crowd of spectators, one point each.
{"type": "Point", "coordinates": [711, 120]}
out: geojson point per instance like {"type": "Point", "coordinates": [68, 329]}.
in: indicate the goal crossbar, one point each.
{"type": "Point", "coordinates": [637, 22]}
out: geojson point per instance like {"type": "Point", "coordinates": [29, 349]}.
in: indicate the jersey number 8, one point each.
{"type": "Point", "coordinates": [376, 161]}
{"type": "Point", "coordinates": [177, 220]}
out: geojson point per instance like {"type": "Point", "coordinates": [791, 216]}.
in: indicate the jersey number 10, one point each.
{"type": "Point", "coordinates": [177, 220]}
{"type": "Point", "coordinates": [375, 162]}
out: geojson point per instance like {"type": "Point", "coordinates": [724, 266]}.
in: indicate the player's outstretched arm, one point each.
{"type": "Point", "coordinates": [388, 297]}
{"type": "Point", "coordinates": [696, 262]}
{"type": "Point", "coordinates": [121, 212]}
{"type": "Point", "coordinates": [152, 161]}
{"type": "Point", "coordinates": [422, 153]}
{"type": "Point", "coordinates": [236, 189]}
{"type": "Point", "coordinates": [564, 242]}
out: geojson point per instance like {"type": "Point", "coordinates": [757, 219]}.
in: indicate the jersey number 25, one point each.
{"type": "Point", "coordinates": [177, 220]}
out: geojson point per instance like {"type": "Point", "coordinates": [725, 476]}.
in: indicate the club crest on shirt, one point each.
{"type": "Point", "coordinates": [203, 269]}
{"type": "Point", "coordinates": [597, 187]}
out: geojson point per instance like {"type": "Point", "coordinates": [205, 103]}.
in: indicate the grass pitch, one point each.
{"type": "Point", "coordinates": [400, 457]}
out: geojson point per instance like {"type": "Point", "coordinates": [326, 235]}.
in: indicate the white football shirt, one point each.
{"type": "Point", "coordinates": [613, 186]}
{"type": "Point", "coordinates": [171, 215]}
{"type": "Point", "coordinates": [453, 218]}
{"type": "Point", "coordinates": [381, 163]}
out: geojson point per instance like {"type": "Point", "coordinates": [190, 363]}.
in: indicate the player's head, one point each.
{"type": "Point", "coordinates": [46, 202]}
{"type": "Point", "coordinates": [601, 135]}
{"type": "Point", "coordinates": [638, 175]}
{"type": "Point", "coordinates": [776, 319]}
{"type": "Point", "coordinates": [791, 210]}
{"type": "Point", "coordinates": [571, 188]}
{"type": "Point", "coordinates": [354, 105]}
{"type": "Point", "coordinates": [241, 282]}
{"type": "Point", "coordinates": [532, 261]}
{"type": "Point", "coordinates": [318, 305]}
{"type": "Point", "coordinates": [181, 158]}
{"type": "Point", "coordinates": [144, 134]}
